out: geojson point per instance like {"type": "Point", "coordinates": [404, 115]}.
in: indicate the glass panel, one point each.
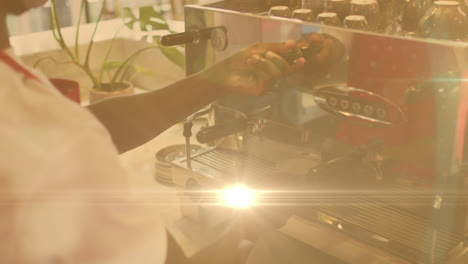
{"type": "Point", "coordinates": [369, 136]}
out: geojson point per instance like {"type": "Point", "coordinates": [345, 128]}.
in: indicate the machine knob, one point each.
{"type": "Point", "coordinates": [305, 52]}
{"type": "Point", "coordinates": [219, 39]}
{"type": "Point", "coordinates": [180, 38]}
{"type": "Point", "coordinates": [217, 35]}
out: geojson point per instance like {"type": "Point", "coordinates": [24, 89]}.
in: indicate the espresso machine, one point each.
{"type": "Point", "coordinates": [366, 148]}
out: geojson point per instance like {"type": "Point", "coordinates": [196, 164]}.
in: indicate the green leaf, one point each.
{"type": "Point", "coordinates": [128, 17]}
{"type": "Point", "coordinates": [112, 65]}
{"type": "Point", "coordinates": [143, 70]}
{"type": "Point", "coordinates": [174, 55]}
{"type": "Point", "coordinates": [149, 16]}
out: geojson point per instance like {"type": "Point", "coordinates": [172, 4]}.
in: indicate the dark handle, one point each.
{"type": "Point", "coordinates": [296, 53]}
{"type": "Point", "coordinates": [209, 134]}
{"type": "Point", "coordinates": [177, 39]}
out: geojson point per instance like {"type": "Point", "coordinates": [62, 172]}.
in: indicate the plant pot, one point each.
{"type": "Point", "coordinates": [69, 88]}
{"type": "Point", "coordinates": [97, 95]}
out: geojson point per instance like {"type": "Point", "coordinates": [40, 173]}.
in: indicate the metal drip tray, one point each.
{"type": "Point", "coordinates": [236, 163]}
{"type": "Point", "coordinates": [384, 226]}
{"type": "Point", "coordinates": [389, 218]}
{"type": "Point", "coordinates": [222, 166]}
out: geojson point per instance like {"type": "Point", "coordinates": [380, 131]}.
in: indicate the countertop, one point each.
{"type": "Point", "coordinates": [192, 236]}
{"type": "Point", "coordinates": [140, 164]}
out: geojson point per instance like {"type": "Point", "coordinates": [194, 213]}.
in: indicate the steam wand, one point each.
{"type": "Point", "coordinates": [187, 132]}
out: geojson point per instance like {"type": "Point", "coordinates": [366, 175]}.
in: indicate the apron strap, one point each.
{"type": "Point", "coordinates": [7, 59]}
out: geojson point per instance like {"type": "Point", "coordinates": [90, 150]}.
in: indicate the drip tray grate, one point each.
{"type": "Point", "coordinates": [235, 163]}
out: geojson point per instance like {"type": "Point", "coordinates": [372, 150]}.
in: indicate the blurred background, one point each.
{"type": "Point", "coordinates": [68, 11]}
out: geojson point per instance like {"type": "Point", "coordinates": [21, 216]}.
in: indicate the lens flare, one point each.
{"type": "Point", "coordinates": [237, 197]}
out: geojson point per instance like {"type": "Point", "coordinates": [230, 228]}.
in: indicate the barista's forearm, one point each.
{"type": "Point", "coordinates": [136, 119]}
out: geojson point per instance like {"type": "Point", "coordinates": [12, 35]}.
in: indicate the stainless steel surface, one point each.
{"type": "Point", "coordinates": [405, 201]}
{"type": "Point", "coordinates": [348, 102]}
{"type": "Point", "coordinates": [188, 124]}
{"type": "Point", "coordinates": [165, 157]}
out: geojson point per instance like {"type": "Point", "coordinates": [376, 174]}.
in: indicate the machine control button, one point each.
{"type": "Point", "coordinates": [356, 107]}
{"type": "Point", "coordinates": [332, 101]}
{"type": "Point", "coordinates": [369, 110]}
{"type": "Point", "coordinates": [362, 106]}
{"type": "Point", "coordinates": [345, 104]}
{"type": "Point", "coordinates": [381, 113]}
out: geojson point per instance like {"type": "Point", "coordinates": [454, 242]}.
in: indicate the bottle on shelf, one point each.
{"type": "Point", "coordinates": [280, 11]}
{"type": "Point", "coordinates": [426, 6]}
{"type": "Point", "coordinates": [445, 20]}
{"type": "Point", "coordinates": [370, 10]}
{"type": "Point", "coordinates": [391, 15]}
{"type": "Point", "coordinates": [272, 3]}
{"type": "Point", "coordinates": [317, 6]}
{"type": "Point", "coordinates": [340, 7]}
{"type": "Point", "coordinates": [303, 14]}
{"type": "Point", "coordinates": [329, 18]}
{"type": "Point", "coordinates": [356, 22]}
{"type": "Point", "coordinates": [412, 13]}
{"type": "Point", "coordinates": [295, 4]}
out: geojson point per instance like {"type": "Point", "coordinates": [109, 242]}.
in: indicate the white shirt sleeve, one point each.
{"type": "Point", "coordinates": [64, 194]}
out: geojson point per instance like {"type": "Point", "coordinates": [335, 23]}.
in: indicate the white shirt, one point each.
{"type": "Point", "coordinates": [64, 196]}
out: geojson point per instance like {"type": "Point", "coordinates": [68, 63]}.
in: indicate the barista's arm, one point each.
{"type": "Point", "coordinates": [134, 120]}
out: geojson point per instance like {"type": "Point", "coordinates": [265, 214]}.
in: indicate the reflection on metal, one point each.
{"type": "Point", "coordinates": [187, 133]}
{"type": "Point", "coordinates": [387, 145]}
{"type": "Point", "coordinates": [237, 197]}
{"type": "Point", "coordinates": [164, 159]}
{"type": "Point", "coordinates": [359, 106]}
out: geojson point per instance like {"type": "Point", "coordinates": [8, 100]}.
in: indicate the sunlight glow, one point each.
{"type": "Point", "coordinates": [237, 197]}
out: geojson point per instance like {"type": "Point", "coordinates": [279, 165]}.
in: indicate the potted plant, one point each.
{"type": "Point", "coordinates": [68, 88]}
{"type": "Point", "coordinates": [114, 77]}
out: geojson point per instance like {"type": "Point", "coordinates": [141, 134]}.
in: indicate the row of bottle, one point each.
{"type": "Point", "coordinates": [329, 18]}
{"type": "Point", "coordinates": [421, 18]}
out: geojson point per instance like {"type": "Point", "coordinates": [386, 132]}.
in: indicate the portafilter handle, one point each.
{"type": "Point", "coordinates": [304, 52]}
{"type": "Point", "coordinates": [177, 39]}
{"type": "Point", "coordinates": [217, 36]}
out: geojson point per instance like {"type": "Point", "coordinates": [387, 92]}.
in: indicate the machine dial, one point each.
{"type": "Point", "coordinates": [219, 39]}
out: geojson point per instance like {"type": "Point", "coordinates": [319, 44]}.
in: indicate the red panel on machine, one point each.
{"type": "Point", "coordinates": [389, 67]}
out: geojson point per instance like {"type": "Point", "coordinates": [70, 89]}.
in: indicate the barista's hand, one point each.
{"type": "Point", "coordinates": [330, 49]}
{"type": "Point", "coordinates": [253, 70]}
